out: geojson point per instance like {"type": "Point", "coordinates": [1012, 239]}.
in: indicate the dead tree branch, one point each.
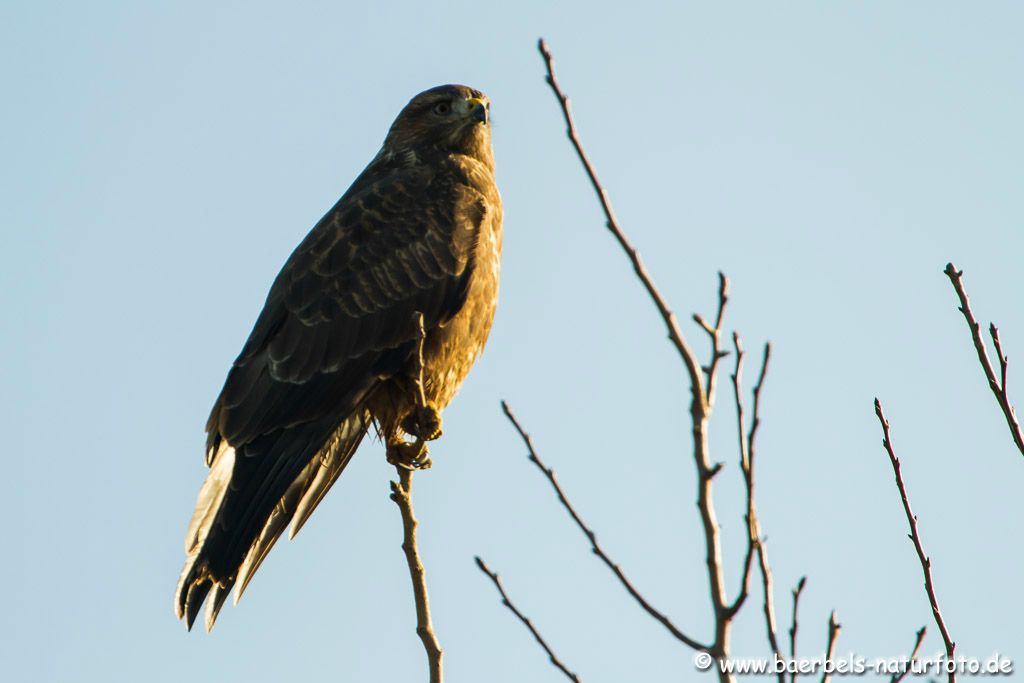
{"type": "Point", "coordinates": [769, 604]}
{"type": "Point", "coordinates": [401, 493]}
{"type": "Point", "coordinates": [996, 384]}
{"type": "Point", "coordinates": [795, 624]}
{"type": "Point", "coordinates": [675, 334]}
{"type": "Point", "coordinates": [755, 540]}
{"type": "Point", "coordinates": [833, 635]}
{"type": "Point", "coordinates": [592, 537]}
{"type": "Point", "coordinates": [896, 678]}
{"type": "Point", "coordinates": [915, 537]}
{"type": "Point", "coordinates": [702, 394]}
{"type": "Point", "coordinates": [505, 600]}
{"type": "Point", "coordinates": [715, 336]}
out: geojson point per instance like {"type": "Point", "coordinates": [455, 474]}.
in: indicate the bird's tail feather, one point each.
{"type": "Point", "coordinates": [196, 583]}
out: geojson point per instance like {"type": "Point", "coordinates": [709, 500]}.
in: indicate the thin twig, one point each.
{"type": "Point", "coordinates": [896, 678]}
{"type": "Point", "coordinates": [833, 635]}
{"type": "Point", "coordinates": [795, 623]}
{"type": "Point", "coordinates": [996, 384]}
{"type": "Point", "coordinates": [592, 537]}
{"type": "Point", "coordinates": [714, 333]}
{"type": "Point", "coordinates": [675, 334]}
{"type": "Point", "coordinates": [526, 622]}
{"type": "Point", "coordinates": [746, 467]}
{"type": "Point", "coordinates": [401, 493]}
{"type": "Point", "coordinates": [755, 541]}
{"type": "Point", "coordinates": [769, 604]}
{"type": "Point", "coordinates": [915, 537]}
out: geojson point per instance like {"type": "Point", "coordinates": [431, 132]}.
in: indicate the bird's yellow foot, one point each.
{"type": "Point", "coordinates": [411, 456]}
{"type": "Point", "coordinates": [423, 423]}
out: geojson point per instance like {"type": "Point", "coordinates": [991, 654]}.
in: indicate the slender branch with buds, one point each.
{"type": "Point", "coordinates": [755, 541]}
{"type": "Point", "coordinates": [996, 383]}
{"type": "Point", "coordinates": [915, 537]}
{"type": "Point", "coordinates": [897, 677]}
{"type": "Point", "coordinates": [505, 600]}
{"type": "Point", "coordinates": [833, 635]}
{"type": "Point", "coordinates": [795, 624]}
{"type": "Point", "coordinates": [592, 537]}
{"type": "Point", "coordinates": [675, 334]}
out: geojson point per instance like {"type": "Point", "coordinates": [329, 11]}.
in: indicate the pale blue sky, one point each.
{"type": "Point", "coordinates": [160, 161]}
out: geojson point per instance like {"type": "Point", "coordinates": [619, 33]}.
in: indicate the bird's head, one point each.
{"type": "Point", "coordinates": [448, 118]}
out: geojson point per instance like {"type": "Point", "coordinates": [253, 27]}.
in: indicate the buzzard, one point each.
{"type": "Point", "coordinates": [405, 264]}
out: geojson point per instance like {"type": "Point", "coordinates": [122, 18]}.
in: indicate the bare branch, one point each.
{"type": "Point", "coordinates": [997, 385]}
{"type": "Point", "coordinates": [715, 336]}
{"type": "Point", "coordinates": [755, 542]}
{"type": "Point", "coordinates": [702, 393]}
{"type": "Point", "coordinates": [526, 622]}
{"type": "Point", "coordinates": [769, 603]}
{"type": "Point", "coordinates": [833, 636]}
{"type": "Point", "coordinates": [592, 537]}
{"type": "Point", "coordinates": [915, 537]}
{"type": "Point", "coordinates": [896, 678]}
{"type": "Point", "coordinates": [795, 623]}
{"type": "Point", "coordinates": [674, 333]}
{"type": "Point", "coordinates": [401, 493]}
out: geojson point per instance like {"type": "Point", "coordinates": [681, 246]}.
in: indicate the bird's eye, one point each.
{"type": "Point", "coordinates": [442, 108]}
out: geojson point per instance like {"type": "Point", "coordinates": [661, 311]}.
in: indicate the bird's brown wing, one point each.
{"type": "Point", "coordinates": [341, 315]}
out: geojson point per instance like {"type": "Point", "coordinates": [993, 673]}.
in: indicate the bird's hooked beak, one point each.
{"type": "Point", "coordinates": [477, 109]}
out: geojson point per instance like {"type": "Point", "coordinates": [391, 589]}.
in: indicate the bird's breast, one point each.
{"type": "Point", "coordinates": [451, 350]}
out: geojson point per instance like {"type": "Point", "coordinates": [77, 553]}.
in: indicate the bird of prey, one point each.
{"type": "Point", "coordinates": [405, 264]}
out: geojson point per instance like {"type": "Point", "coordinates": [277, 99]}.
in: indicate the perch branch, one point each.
{"type": "Point", "coordinates": [526, 622]}
{"type": "Point", "coordinates": [915, 537]}
{"type": "Point", "coordinates": [996, 384]}
{"type": "Point", "coordinates": [401, 493]}
{"type": "Point", "coordinates": [592, 537]}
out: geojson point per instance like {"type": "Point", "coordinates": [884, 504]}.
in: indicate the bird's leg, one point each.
{"type": "Point", "coordinates": [422, 422]}
{"type": "Point", "coordinates": [411, 455]}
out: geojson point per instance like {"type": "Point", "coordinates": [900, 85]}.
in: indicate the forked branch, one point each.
{"type": "Point", "coordinates": [996, 383]}
{"type": "Point", "coordinates": [755, 541]}
{"type": "Point", "coordinates": [702, 387]}
{"type": "Point", "coordinates": [592, 537]}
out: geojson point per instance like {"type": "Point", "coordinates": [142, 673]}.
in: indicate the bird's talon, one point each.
{"type": "Point", "coordinates": [409, 455]}
{"type": "Point", "coordinates": [423, 423]}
